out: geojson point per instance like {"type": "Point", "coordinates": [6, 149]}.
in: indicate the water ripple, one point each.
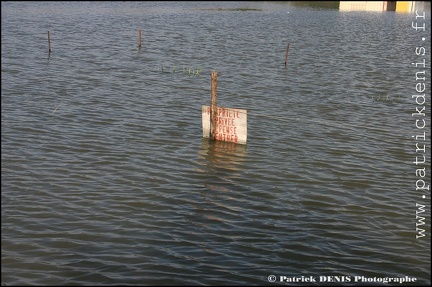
{"type": "Point", "coordinates": [106, 179]}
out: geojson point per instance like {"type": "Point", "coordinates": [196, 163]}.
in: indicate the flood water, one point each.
{"type": "Point", "coordinates": [107, 180]}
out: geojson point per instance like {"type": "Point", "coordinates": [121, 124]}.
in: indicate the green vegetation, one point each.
{"type": "Point", "coordinates": [384, 98]}
{"type": "Point", "coordinates": [232, 9]}
{"type": "Point", "coordinates": [316, 4]}
{"type": "Point", "coordinates": [185, 71]}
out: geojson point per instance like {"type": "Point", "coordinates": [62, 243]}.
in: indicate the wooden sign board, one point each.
{"type": "Point", "coordinates": [231, 124]}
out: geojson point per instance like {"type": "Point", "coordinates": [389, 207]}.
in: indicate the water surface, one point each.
{"type": "Point", "coordinates": [106, 179]}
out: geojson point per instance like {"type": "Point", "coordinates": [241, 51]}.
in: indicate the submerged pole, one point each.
{"type": "Point", "coordinates": [286, 55]}
{"type": "Point", "coordinates": [213, 109]}
{"type": "Point", "coordinates": [139, 38]}
{"type": "Point", "coordinates": [49, 42]}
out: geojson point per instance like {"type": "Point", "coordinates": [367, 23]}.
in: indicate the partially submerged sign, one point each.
{"type": "Point", "coordinates": [231, 124]}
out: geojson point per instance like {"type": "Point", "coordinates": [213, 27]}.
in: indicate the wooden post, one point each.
{"type": "Point", "coordinates": [139, 38]}
{"type": "Point", "coordinates": [286, 55]}
{"type": "Point", "coordinates": [213, 108]}
{"type": "Point", "coordinates": [49, 42]}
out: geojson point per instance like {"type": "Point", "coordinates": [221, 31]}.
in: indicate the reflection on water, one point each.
{"type": "Point", "coordinates": [222, 163]}
{"type": "Point", "coordinates": [221, 155]}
